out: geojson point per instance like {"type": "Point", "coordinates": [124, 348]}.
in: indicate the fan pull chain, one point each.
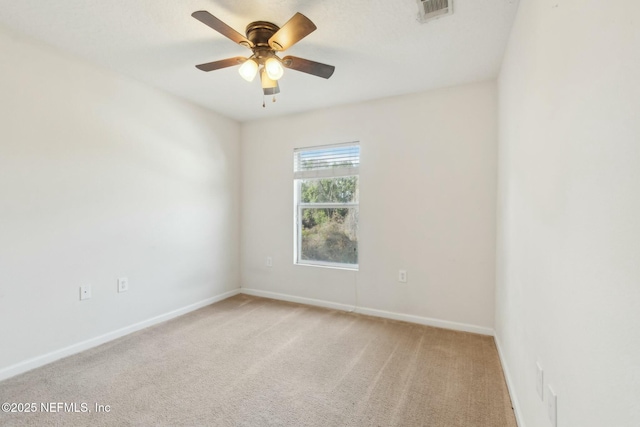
{"type": "Point", "coordinates": [264, 105]}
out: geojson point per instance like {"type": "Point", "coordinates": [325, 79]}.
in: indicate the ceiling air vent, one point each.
{"type": "Point", "coordinates": [432, 9]}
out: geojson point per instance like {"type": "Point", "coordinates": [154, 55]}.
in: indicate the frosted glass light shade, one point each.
{"type": "Point", "coordinates": [274, 68]}
{"type": "Point", "coordinates": [248, 70]}
{"type": "Point", "coordinates": [269, 87]}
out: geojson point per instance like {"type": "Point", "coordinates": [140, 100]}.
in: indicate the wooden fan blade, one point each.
{"type": "Point", "coordinates": [223, 63]}
{"type": "Point", "coordinates": [213, 22]}
{"type": "Point", "coordinates": [310, 67]}
{"type": "Point", "coordinates": [292, 32]}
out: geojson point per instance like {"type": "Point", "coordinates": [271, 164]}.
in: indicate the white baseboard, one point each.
{"type": "Point", "coordinates": [38, 361]}
{"type": "Point", "coordinates": [446, 324]}
{"type": "Point", "coordinates": [510, 386]}
{"type": "Point", "coordinates": [301, 300]}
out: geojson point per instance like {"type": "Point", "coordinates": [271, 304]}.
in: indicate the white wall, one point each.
{"type": "Point", "coordinates": [568, 290]}
{"type": "Point", "coordinates": [103, 177]}
{"type": "Point", "coordinates": [427, 191]}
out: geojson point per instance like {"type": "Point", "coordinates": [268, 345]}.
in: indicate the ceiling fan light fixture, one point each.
{"type": "Point", "coordinates": [248, 70]}
{"type": "Point", "coordinates": [269, 86]}
{"type": "Point", "coordinates": [267, 82]}
{"type": "Point", "coordinates": [274, 68]}
{"type": "Point", "coordinates": [265, 39]}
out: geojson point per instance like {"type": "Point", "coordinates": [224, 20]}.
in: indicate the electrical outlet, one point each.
{"type": "Point", "coordinates": [402, 276]}
{"type": "Point", "coordinates": [540, 381]}
{"type": "Point", "coordinates": [85, 292]}
{"type": "Point", "coordinates": [269, 262]}
{"type": "Point", "coordinates": [123, 284]}
{"type": "Point", "coordinates": [552, 407]}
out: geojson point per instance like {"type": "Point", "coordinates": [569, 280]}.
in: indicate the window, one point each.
{"type": "Point", "coordinates": [326, 205]}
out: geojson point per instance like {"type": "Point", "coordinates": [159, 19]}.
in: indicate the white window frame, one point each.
{"type": "Point", "coordinates": [298, 206]}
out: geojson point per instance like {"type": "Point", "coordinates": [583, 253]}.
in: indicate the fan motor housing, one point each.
{"type": "Point", "coordinates": [259, 33]}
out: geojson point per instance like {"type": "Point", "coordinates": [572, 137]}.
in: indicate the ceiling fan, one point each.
{"type": "Point", "coordinates": [265, 39]}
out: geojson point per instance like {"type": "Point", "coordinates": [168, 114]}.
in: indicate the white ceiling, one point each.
{"type": "Point", "coordinates": [378, 47]}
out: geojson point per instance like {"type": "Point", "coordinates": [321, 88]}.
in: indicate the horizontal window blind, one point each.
{"type": "Point", "coordinates": [326, 161]}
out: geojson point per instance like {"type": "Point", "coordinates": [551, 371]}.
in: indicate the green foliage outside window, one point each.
{"type": "Point", "coordinates": [330, 234]}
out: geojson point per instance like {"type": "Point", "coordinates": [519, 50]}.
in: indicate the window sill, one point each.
{"type": "Point", "coordinates": [328, 265]}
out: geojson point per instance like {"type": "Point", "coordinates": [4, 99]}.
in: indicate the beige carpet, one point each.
{"type": "Point", "coordinates": [250, 361]}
